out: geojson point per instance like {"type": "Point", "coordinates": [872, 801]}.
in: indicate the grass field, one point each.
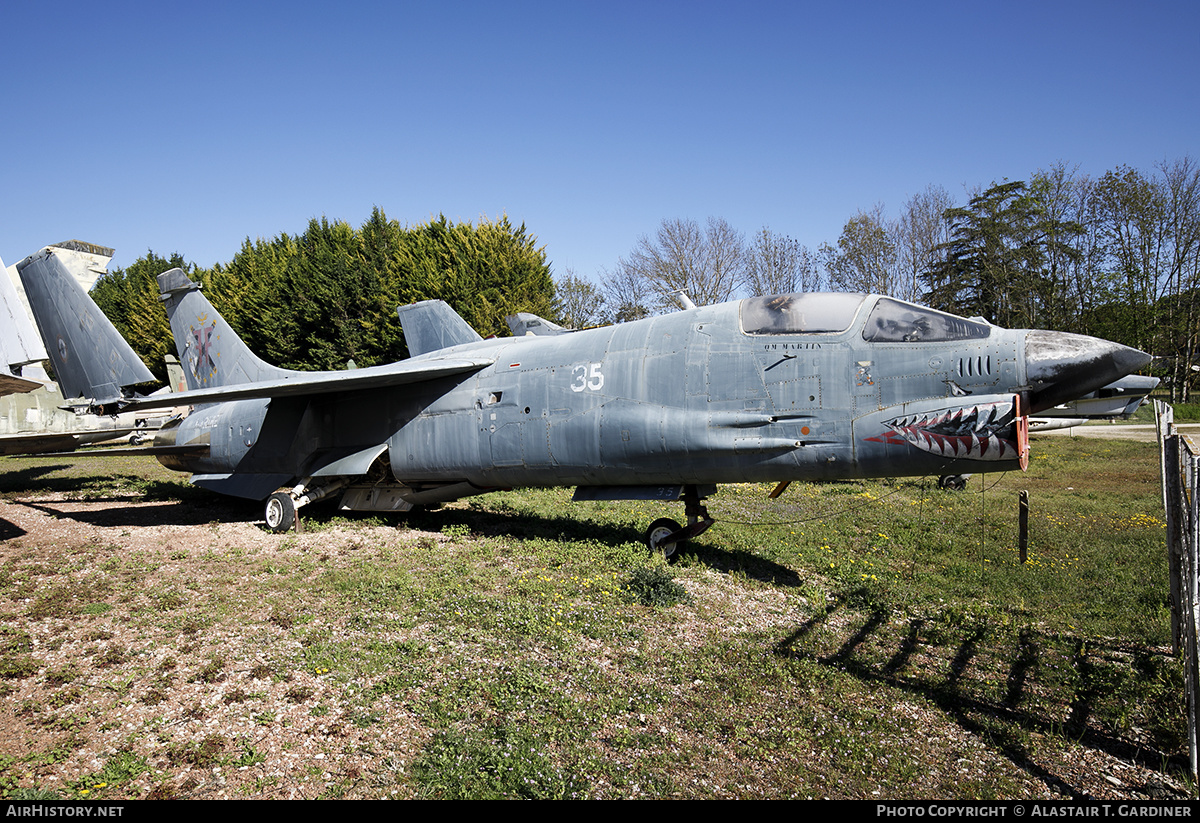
{"type": "Point", "coordinates": [850, 640]}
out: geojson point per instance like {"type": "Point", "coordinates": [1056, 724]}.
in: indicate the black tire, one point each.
{"type": "Point", "coordinates": [953, 482]}
{"type": "Point", "coordinates": [659, 529]}
{"type": "Point", "coordinates": [280, 512]}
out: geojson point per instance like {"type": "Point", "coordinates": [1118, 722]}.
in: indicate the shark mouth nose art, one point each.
{"type": "Point", "coordinates": [979, 432]}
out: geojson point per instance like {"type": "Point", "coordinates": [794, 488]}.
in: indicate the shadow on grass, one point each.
{"type": "Point", "coordinates": [32, 478]}
{"type": "Point", "coordinates": [123, 486]}
{"type": "Point", "coordinates": [192, 508]}
{"type": "Point", "coordinates": [1007, 723]}
{"type": "Point", "coordinates": [70, 479]}
{"type": "Point", "coordinates": [743, 563]}
{"type": "Point", "coordinates": [529, 526]}
{"type": "Point", "coordinates": [524, 525]}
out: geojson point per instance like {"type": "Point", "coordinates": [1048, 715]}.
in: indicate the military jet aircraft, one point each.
{"type": "Point", "coordinates": [90, 358]}
{"type": "Point", "coordinates": [1119, 399]}
{"type": "Point", "coordinates": [42, 421]}
{"type": "Point", "coordinates": [778, 388]}
{"type": "Point", "coordinates": [87, 353]}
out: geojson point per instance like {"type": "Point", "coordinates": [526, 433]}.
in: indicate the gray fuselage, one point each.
{"type": "Point", "coordinates": [689, 397]}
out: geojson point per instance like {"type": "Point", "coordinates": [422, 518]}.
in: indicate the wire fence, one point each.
{"type": "Point", "coordinates": [1180, 460]}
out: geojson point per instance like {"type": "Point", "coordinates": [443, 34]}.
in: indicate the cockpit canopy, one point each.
{"type": "Point", "coordinates": [807, 313]}
{"type": "Point", "coordinates": [890, 320]}
{"type": "Point", "coordinates": [894, 321]}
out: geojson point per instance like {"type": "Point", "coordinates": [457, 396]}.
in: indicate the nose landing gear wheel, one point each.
{"type": "Point", "coordinates": [660, 530]}
{"type": "Point", "coordinates": [280, 512]}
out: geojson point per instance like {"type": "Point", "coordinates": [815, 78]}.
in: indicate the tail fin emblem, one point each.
{"type": "Point", "coordinates": [204, 340]}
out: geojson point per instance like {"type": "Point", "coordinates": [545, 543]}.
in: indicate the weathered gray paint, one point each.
{"type": "Point", "coordinates": [686, 398]}
{"type": "Point", "coordinates": [96, 358]}
{"type": "Point", "coordinates": [89, 356]}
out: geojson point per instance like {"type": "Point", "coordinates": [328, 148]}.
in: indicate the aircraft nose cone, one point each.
{"type": "Point", "coordinates": [1061, 366]}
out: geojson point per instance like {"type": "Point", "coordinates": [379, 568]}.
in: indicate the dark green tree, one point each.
{"type": "Point", "coordinates": [318, 299]}
{"type": "Point", "coordinates": [129, 298]}
{"type": "Point", "coordinates": [995, 264]}
{"type": "Point", "coordinates": [484, 272]}
{"type": "Point", "coordinates": [330, 294]}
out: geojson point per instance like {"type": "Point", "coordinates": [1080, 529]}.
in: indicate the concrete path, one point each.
{"type": "Point", "coordinates": [1142, 432]}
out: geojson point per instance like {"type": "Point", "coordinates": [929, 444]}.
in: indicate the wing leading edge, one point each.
{"type": "Point", "coordinates": [301, 384]}
{"type": "Point", "coordinates": [219, 367]}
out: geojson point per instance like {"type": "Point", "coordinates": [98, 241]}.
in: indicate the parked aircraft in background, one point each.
{"type": "Point", "coordinates": [89, 357]}
{"type": "Point", "coordinates": [779, 388]}
{"type": "Point", "coordinates": [19, 343]}
{"type": "Point", "coordinates": [1119, 399]}
{"type": "Point", "coordinates": [43, 421]}
{"type": "Point", "coordinates": [85, 348]}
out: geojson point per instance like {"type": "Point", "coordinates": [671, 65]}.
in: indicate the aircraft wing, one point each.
{"type": "Point", "coordinates": [34, 443]}
{"type": "Point", "coordinates": [310, 383]}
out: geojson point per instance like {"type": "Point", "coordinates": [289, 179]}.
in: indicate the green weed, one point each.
{"type": "Point", "coordinates": [509, 764]}
{"type": "Point", "coordinates": [654, 585]}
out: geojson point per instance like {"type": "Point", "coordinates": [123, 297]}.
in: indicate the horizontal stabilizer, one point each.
{"type": "Point", "coordinates": [12, 384]}
{"type": "Point", "coordinates": [432, 325]}
{"type": "Point", "coordinates": [17, 444]}
{"type": "Point", "coordinates": [40, 442]}
{"type": "Point", "coordinates": [154, 451]}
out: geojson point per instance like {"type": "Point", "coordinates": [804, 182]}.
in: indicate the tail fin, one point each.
{"type": "Point", "coordinates": [432, 325]}
{"type": "Point", "coordinates": [211, 352]}
{"type": "Point", "coordinates": [19, 344]}
{"type": "Point", "coordinates": [90, 357]}
{"type": "Point", "coordinates": [175, 379]}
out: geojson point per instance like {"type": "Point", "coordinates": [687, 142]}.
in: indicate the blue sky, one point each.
{"type": "Point", "coordinates": [172, 128]}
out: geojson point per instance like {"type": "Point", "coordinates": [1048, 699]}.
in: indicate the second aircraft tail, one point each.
{"type": "Point", "coordinates": [91, 359]}
{"type": "Point", "coordinates": [210, 351]}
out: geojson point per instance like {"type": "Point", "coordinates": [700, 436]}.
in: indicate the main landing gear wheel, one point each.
{"type": "Point", "coordinates": [280, 512]}
{"type": "Point", "coordinates": [658, 532]}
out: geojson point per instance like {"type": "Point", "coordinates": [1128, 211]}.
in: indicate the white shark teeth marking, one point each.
{"type": "Point", "coordinates": [971, 432]}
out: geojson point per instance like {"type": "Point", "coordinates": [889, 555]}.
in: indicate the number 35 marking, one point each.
{"type": "Point", "coordinates": [587, 376]}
